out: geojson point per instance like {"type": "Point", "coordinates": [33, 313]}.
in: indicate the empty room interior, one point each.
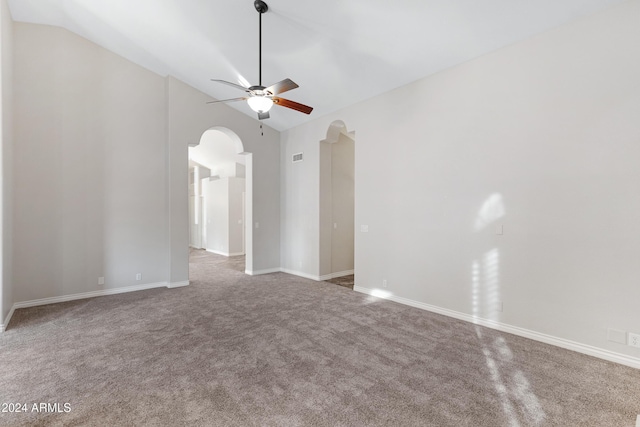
{"type": "Point", "coordinates": [356, 213]}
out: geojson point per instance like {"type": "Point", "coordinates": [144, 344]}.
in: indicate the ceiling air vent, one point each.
{"type": "Point", "coordinates": [297, 157]}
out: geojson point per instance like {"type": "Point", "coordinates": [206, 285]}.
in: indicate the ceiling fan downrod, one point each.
{"type": "Point", "coordinates": [261, 7]}
{"type": "Point", "coordinates": [260, 98]}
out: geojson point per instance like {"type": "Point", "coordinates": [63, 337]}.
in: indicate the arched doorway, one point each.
{"type": "Point", "coordinates": [220, 195]}
{"type": "Point", "coordinates": [337, 202]}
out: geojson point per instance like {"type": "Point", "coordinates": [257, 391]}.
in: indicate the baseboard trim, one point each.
{"type": "Point", "coordinates": [178, 284]}
{"type": "Point", "coordinates": [227, 254]}
{"type": "Point", "coordinates": [85, 295]}
{"type": "Point", "coordinates": [92, 294]}
{"type": "Point", "coordinates": [301, 274]}
{"type": "Point", "coordinates": [3, 326]}
{"type": "Point", "coordinates": [600, 353]}
{"type": "Point", "coordinates": [336, 275]}
{"type": "Point", "coordinates": [259, 272]}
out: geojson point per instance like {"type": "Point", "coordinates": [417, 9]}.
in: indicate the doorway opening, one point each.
{"type": "Point", "coordinates": [337, 205]}
{"type": "Point", "coordinates": [220, 194]}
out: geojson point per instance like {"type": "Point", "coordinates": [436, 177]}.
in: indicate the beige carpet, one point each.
{"type": "Point", "coordinates": [278, 350]}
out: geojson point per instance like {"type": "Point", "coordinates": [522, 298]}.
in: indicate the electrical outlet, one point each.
{"type": "Point", "coordinates": [384, 283]}
{"type": "Point", "coordinates": [139, 276]}
{"type": "Point", "coordinates": [100, 280]}
{"type": "Point", "coordinates": [634, 340]}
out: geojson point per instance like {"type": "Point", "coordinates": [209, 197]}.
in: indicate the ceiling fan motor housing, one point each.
{"type": "Point", "coordinates": [260, 6]}
{"type": "Point", "coordinates": [261, 98]}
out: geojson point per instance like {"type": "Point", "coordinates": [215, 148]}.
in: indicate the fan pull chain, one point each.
{"type": "Point", "coordinates": [261, 131]}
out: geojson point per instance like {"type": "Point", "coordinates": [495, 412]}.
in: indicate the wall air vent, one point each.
{"type": "Point", "coordinates": [297, 157]}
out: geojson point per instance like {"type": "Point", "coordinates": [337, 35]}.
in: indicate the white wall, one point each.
{"type": "Point", "coordinates": [190, 117]}
{"type": "Point", "coordinates": [342, 205]}
{"type": "Point", "coordinates": [216, 197]}
{"type": "Point", "coordinates": [224, 216]}
{"type": "Point", "coordinates": [92, 124]}
{"type": "Point", "coordinates": [109, 141]}
{"type": "Point", "coordinates": [548, 128]}
{"type": "Point", "coordinates": [197, 229]}
{"type": "Point", "coordinates": [6, 167]}
{"type": "Point", "coordinates": [336, 232]}
{"type": "Point", "coordinates": [236, 217]}
{"type": "Point", "coordinates": [301, 212]}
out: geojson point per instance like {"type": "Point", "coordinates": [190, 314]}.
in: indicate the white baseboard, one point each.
{"type": "Point", "coordinates": [91, 294]}
{"type": "Point", "coordinates": [301, 274]}
{"type": "Point", "coordinates": [227, 254]}
{"type": "Point", "coordinates": [259, 272]}
{"type": "Point", "coordinates": [316, 277]}
{"type": "Point", "coordinates": [7, 320]}
{"type": "Point", "coordinates": [611, 356]}
{"type": "Point", "coordinates": [178, 284]}
{"type": "Point", "coordinates": [84, 295]}
{"type": "Point", "coordinates": [337, 274]}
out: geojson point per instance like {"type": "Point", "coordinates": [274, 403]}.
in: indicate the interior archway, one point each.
{"type": "Point", "coordinates": [337, 203]}
{"type": "Point", "coordinates": [220, 195]}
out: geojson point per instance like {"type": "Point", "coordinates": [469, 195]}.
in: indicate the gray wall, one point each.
{"type": "Point", "coordinates": [6, 167]}
{"type": "Point", "coordinates": [337, 164]}
{"type": "Point", "coordinates": [342, 204]}
{"type": "Point", "coordinates": [109, 142]}
{"type": "Point", "coordinates": [92, 125]}
{"type": "Point", "coordinates": [224, 221]}
{"type": "Point", "coordinates": [189, 117]}
{"type": "Point", "coordinates": [216, 198]}
{"type": "Point", "coordinates": [542, 138]}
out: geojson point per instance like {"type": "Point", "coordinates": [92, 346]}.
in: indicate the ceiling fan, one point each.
{"type": "Point", "coordinates": [261, 98]}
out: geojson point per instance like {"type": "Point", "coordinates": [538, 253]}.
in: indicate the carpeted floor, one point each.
{"type": "Point", "coordinates": [278, 350]}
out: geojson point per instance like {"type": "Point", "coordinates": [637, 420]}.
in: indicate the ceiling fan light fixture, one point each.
{"type": "Point", "coordinates": [260, 98]}
{"type": "Point", "coordinates": [260, 104]}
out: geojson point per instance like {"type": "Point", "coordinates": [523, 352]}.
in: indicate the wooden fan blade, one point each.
{"type": "Point", "coordinates": [293, 105]}
{"type": "Point", "coordinates": [231, 84]}
{"type": "Point", "coordinates": [281, 87]}
{"type": "Point", "coordinates": [227, 100]}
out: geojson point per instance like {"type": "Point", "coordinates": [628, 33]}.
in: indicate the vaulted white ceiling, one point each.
{"type": "Point", "coordinates": [339, 51]}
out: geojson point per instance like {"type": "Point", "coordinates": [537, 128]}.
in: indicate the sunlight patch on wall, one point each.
{"type": "Point", "coordinates": [492, 209]}
{"type": "Point", "coordinates": [486, 298]}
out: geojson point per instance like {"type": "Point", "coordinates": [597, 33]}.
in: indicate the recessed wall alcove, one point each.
{"type": "Point", "coordinates": [337, 189]}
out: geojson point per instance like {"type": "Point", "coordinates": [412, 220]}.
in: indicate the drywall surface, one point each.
{"type": "Point", "coordinates": [92, 125]}
{"type": "Point", "coordinates": [189, 118]}
{"type": "Point", "coordinates": [236, 217]}
{"type": "Point", "coordinates": [6, 155]}
{"type": "Point", "coordinates": [300, 210]}
{"type": "Point", "coordinates": [505, 188]}
{"type": "Point", "coordinates": [336, 205]}
{"type": "Point", "coordinates": [108, 140]}
{"type": "Point", "coordinates": [342, 206]}
{"type": "Point", "coordinates": [216, 199]}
